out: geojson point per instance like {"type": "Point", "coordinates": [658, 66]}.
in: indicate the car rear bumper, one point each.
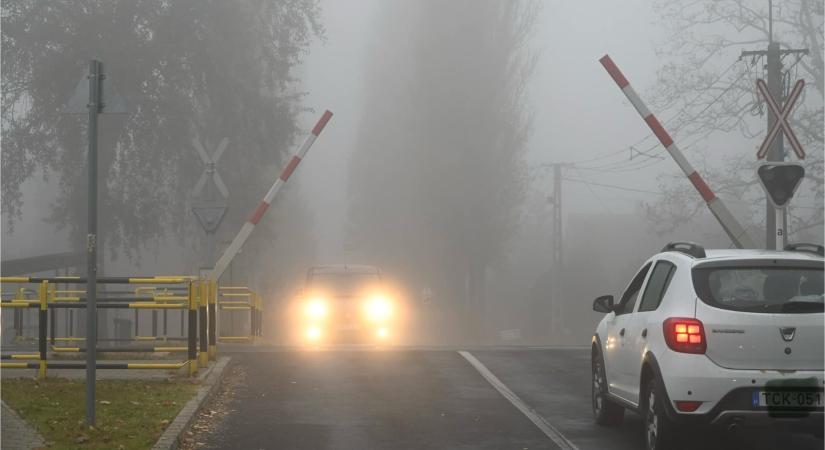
{"type": "Point", "coordinates": [727, 394]}
{"type": "Point", "coordinates": [796, 421]}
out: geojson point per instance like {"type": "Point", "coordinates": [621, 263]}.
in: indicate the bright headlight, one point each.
{"type": "Point", "coordinates": [378, 308]}
{"type": "Point", "coordinates": [316, 309]}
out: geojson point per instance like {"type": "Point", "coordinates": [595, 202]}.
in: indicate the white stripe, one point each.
{"type": "Point", "coordinates": [730, 224]}
{"type": "Point", "coordinates": [531, 414]}
{"type": "Point", "coordinates": [680, 159]}
{"type": "Point", "coordinates": [273, 191]}
{"type": "Point", "coordinates": [305, 147]}
{"type": "Point", "coordinates": [231, 251]}
{"type": "Point", "coordinates": [636, 101]}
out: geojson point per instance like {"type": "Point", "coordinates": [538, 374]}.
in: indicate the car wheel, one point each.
{"type": "Point", "coordinates": [605, 411]}
{"type": "Point", "coordinates": [659, 430]}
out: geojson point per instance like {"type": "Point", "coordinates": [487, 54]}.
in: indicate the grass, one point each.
{"type": "Point", "coordinates": [131, 414]}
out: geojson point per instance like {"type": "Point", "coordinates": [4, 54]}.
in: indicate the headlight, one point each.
{"type": "Point", "coordinates": [378, 308]}
{"type": "Point", "coordinates": [313, 333]}
{"type": "Point", "coordinates": [316, 309]}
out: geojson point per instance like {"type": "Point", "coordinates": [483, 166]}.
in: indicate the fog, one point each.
{"type": "Point", "coordinates": [435, 166]}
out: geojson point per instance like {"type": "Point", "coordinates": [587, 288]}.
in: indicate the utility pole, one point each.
{"type": "Point", "coordinates": [774, 220]}
{"type": "Point", "coordinates": [557, 249]}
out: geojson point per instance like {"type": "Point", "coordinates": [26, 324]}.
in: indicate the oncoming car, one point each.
{"type": "Point", "coordinates": [727, 338]}
{"type": "Point", "coordinates": [346, 303]}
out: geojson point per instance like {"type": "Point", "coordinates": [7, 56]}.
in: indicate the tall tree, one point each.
{"type": "Point", "coordinates": [438, 176]}
{"type": "Point", "coordinates": [205, 69]}
{"type": "Point", "coordinates": [711, 90]}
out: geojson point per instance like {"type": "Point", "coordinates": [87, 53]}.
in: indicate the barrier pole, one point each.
{"type": "Point", "coordinates": [43, 327]}
{"type": "Point", "coordinates": [203, 353]}
{"type": "Point", "coordinates": [213, 323]}
{"type": "Point", "coordinates": [193, 332]}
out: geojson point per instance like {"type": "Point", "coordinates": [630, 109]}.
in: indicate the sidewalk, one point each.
{"type": "Point", "coordinates": [16, 434]}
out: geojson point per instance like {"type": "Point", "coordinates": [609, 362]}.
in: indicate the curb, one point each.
{"type": "Point", "coordinates": [170, 439]}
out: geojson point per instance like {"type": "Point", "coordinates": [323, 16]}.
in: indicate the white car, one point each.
{"type": "Point", "coordinates": [728, 338]}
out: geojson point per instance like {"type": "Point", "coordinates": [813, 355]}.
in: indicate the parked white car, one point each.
{"type": "Point", "coordinates": [728, 338]}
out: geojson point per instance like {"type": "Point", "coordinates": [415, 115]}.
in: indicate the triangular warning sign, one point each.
{"type": "Point", "coordinates": [113, 103]}
{"type": "Point", "coordinates": [209, 216]}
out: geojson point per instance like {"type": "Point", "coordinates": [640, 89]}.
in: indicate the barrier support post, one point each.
{"type": "Point", "coordinates": [203, 351]}
{"type": "Point", "coordinates": [42, 328]}
{"type": "Point", "coordinates": [193, 332]}
{"type": "Point", "coordinates": [252, 308]}
{"type": "Point", "coordinates": [53, 317]}
{"type": "Point", "coordinates": [213, 323]}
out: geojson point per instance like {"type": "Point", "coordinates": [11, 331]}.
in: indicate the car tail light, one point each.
{"type": "Point", "coordinates": [687, 406]}
{"type": "Point", "coordinates": [685, 335]}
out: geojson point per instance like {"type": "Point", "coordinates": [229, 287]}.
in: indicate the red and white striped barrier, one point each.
{"type": "Point", "coordinates": [729, 223]}
{"type": "Point", "coordinates": [246, 229]}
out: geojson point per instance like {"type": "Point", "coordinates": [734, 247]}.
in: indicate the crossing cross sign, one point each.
{"type": "Point", "coordinates": [210, 171]}
{"type": "Point", "coordinates": [781, 115]}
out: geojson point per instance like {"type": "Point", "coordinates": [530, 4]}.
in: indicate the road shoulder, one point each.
{"type": "Point", "coordinates": [170, 439]}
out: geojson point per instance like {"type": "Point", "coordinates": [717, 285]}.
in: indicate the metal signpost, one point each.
{"type": "Point", "coordinates": [780, 180]}
{"type": "Point", "coordinates": [92, 98]}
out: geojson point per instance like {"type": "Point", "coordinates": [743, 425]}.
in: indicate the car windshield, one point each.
{"type": "Point", "coordinates": [343, 283]}
{"type": "Point", "coordinates": [761, 289]}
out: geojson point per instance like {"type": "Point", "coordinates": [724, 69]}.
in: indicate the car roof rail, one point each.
{"type": "Point", "coordinates": [806, 247]}
{"type": "Point", "coordinates": [689, 248]}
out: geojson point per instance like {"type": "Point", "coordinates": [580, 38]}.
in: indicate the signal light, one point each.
{"type": "Point", "coordinates": [780, 181]}
{"type": "Point", "coordinates": [685, 335]}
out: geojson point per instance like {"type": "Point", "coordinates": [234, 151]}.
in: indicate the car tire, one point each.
{"type": "Point", "coordinates": [605, 411]}
{"type": "Point", "coordinates": [660, 431]}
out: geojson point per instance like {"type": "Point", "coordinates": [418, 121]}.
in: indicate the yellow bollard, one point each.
{"type": "Point", "coordinates": [43, 294]}
{"type": "Point", "coordinates": [203, 322]}
{"type": "Point", "coordinates": [192, 331]}
{"type": "Point", "coordinates": [213, 319]}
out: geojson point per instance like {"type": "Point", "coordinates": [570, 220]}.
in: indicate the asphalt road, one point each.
{"type": "Point", "coordinates": [431, 399]}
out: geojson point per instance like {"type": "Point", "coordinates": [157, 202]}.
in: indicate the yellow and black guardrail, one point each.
{"type": "Point", "coordinates": [193, 295]}
{"type": "Point", "coordinates": [241, 298]}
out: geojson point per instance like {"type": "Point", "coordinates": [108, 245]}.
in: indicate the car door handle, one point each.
{"type": "Point", "coordinates": [644, 333]}
{"type": "Point", "coordinates": [621, 333]}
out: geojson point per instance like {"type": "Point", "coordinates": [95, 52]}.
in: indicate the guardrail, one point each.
{"type": "Point", "coordinates": [233, 299]}
{"type": "Point", "coordinates": [201, 319]}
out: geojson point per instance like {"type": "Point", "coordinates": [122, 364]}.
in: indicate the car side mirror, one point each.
{"type": "Point", "coordinates": [603, 304]}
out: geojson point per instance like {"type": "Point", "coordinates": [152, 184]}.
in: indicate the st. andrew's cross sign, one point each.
{"type": "Point", "coordinates": [781, 122]}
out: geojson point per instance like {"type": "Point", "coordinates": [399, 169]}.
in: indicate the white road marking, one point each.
{"type": "Point", "coordinates": [548, 429]}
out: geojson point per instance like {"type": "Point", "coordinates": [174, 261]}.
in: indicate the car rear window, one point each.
{"type": "Point", "coordinates": [766, 289]}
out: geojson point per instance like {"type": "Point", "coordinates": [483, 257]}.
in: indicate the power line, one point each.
{"type": "Point", "coordinates": [612, 186]}
{"type": "Point", "coordinates": [590, 188]}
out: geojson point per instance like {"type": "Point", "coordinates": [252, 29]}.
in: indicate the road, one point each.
{"type": "Point", "coordinates": [431, 399]}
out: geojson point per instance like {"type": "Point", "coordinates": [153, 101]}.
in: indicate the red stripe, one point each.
{"type": "Point", "coordinates": [259, 212]}
{"type": "Point", "coordinates": [322, 122]}
{"type": "Point", "coordinates": [699, 184]}
{"type": "Point", "coordinates": [293, 163]}
{"type": "Point", "coordinates": [658, 130]}
{"type": "Point", "coordinates": [614, 71]}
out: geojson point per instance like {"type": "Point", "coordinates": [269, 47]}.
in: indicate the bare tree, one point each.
{"type": "Point", "coordinates": [711, 90]}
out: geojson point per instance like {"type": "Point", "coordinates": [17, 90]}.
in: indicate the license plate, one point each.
{"type": "Point", "coordinates": [348, 327]}
{"type": "Point", "coordinates": [788, 399]}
